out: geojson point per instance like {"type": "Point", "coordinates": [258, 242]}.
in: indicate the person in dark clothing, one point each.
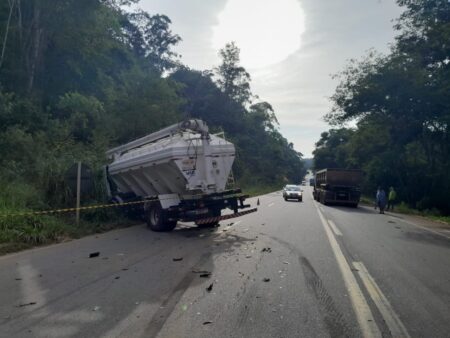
{"type": "Point", "coordinates": [381, 200]}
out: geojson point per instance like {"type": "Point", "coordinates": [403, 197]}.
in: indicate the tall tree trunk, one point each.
{"type": "Point", "coordinates": [36, 46]}
{"type": "Point", "coordinates": [5, 39]}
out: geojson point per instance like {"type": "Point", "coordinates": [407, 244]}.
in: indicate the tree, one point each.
{"type": "Point", "coordinates": [401, 105]}
{"type": "Point", "coordinates": [232, 78]}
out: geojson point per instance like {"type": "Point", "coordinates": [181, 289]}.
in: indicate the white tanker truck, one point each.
{"type": "Point", "coordinates": [180, 173]}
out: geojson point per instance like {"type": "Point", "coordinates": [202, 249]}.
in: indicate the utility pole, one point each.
{"type": "Point", "coordinates": [78, 193]}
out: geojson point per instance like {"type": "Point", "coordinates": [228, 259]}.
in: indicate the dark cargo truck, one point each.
{"type": "Point", "coordinates": [338, 186]}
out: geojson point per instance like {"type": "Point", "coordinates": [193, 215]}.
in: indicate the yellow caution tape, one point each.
{"type": "Point", "coordinates": [91, 207]}
{"type": "Point", "coordinates": [55, 211]}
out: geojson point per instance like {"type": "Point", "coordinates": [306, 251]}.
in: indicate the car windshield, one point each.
{"type": "Point", "coordinates": [292, 188]}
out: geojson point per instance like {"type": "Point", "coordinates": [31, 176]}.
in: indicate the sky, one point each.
{"type": "Point", "coordinates": [290, 48]}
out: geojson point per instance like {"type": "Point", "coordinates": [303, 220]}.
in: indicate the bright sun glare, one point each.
{"type": "Point", "coordinates": [266, 31]}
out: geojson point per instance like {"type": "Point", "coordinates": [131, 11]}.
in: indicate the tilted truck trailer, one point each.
{"type": "Point", "coordinates": [179, 173]}
{"type": "Point", "coordinates": [338, 186]}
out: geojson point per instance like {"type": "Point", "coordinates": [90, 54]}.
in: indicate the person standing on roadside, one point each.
{"type": "Point", "coordinates": [391, 199]}
{"type": "Point", "coordinates": [381, 199]}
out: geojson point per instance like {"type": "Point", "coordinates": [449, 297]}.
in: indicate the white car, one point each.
{"type": "Point", "coordinates": [292, 192]}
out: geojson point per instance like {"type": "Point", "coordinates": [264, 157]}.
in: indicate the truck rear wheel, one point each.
{"type": "Point", "coordinates": [322, 199]}
{"type": "Point", "coordinates": [157, 219]}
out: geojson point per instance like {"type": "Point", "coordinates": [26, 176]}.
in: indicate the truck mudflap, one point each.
{"type": "Point", "coordinates": [221, 218]}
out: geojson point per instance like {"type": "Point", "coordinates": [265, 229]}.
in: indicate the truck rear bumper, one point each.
{"type": "Point", "coordinates": [224, 217]}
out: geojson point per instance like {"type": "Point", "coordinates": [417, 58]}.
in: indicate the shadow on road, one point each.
{"type": "Point", "coordinates": [142, 273]}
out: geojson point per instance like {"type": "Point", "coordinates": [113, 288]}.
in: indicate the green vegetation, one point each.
{"type": "Point", "coordinates": [400, 103]}
{"type": "Point", "coordinates": [79, 76]}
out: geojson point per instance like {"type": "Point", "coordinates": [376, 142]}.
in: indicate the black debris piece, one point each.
{"type": "Point", "coordinates": [118, 277]}
{"type": "Point", "coordinates": [94, 254]}
{"type": "Point", "coordinates": [205, 275]}
{"type": "Point", "coordinates": [266, 250]}
{"type": "Point", "coordinates": [207, 322]}
{"type": "Point", "coordinates": [177, 259]}
{"type": "Point", "coordinates": [266, 280]}
{"type": "Point", "coordinates": [354, 269]}
{"type": "Point", "coordinates": [209, 288]}
{"type": "Point", "coordinates": [18, 278]}
{"type": "Point", "coordinates": [391, 222]}
{"type": "Point", "coordinates": [125, 269]}
{"type": "Point", "coordinates": [397, 227]}
{"type": "Point", "coordinates": [27, 304]}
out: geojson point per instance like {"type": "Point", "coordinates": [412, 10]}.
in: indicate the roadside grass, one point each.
{"type": "Point", "coordinates": [403, 208]}
{"type": "Point", "coordinates": [253, 190]}
{"type": "Point", "coordinates": [24, 232]}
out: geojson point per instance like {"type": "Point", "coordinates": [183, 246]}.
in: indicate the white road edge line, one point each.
{"type": "Point", "coordinates": [271, 204]}
{"type": "Point", "coordinates": [335, 229]}
{"type": "Point", "coordinates": [362, 310]}
{"type": "Point", "coordinates": [394, 323]}
{"type": "Point", "coordinates": [419, 226]}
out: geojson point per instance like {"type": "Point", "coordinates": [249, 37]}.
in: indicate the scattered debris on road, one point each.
{"type": "Point", "coordinates": [210, 287]}
{"type": "Point", "coordinates": [266, 279]}
{"type": "Point", "coordinates": [287, 263]}
{"type": "Point", "coordinates": [177, 259]}
{"type": "Point", "coordinates": [205, 275]}
{"type": "Point", "coordinates": [94, 254]}
{"type": "Point", "coordinates": [266, 249]}
{"type": "Point", "coordinates": [207, 322]}
{"type": "Point", "coordinates": [26, 304]}
{"type": "Point", "coordinates": [248, 256]}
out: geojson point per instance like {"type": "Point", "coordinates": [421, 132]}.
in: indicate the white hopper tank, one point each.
{"type": "Point", "coordinates": [182, 159]}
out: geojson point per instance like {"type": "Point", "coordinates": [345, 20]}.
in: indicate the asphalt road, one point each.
{"type": "Point", "coordinates": [290, 270]}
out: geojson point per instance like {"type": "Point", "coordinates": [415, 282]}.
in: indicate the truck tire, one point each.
{"type": "Point", "coordinates": [157, 219]}
{"type": "Point", "coordinates": [322, 199]}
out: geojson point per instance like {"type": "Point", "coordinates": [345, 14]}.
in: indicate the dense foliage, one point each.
{"type": "Point", "coordinates": [79, 76]}
{"type": "Point", "coordinates": [401, 105]}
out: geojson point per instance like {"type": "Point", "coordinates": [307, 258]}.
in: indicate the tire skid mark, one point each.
{"type": "Point", "coordinates": [167, 306]}
{"type": "Point", "coordinates": [333, 319]}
